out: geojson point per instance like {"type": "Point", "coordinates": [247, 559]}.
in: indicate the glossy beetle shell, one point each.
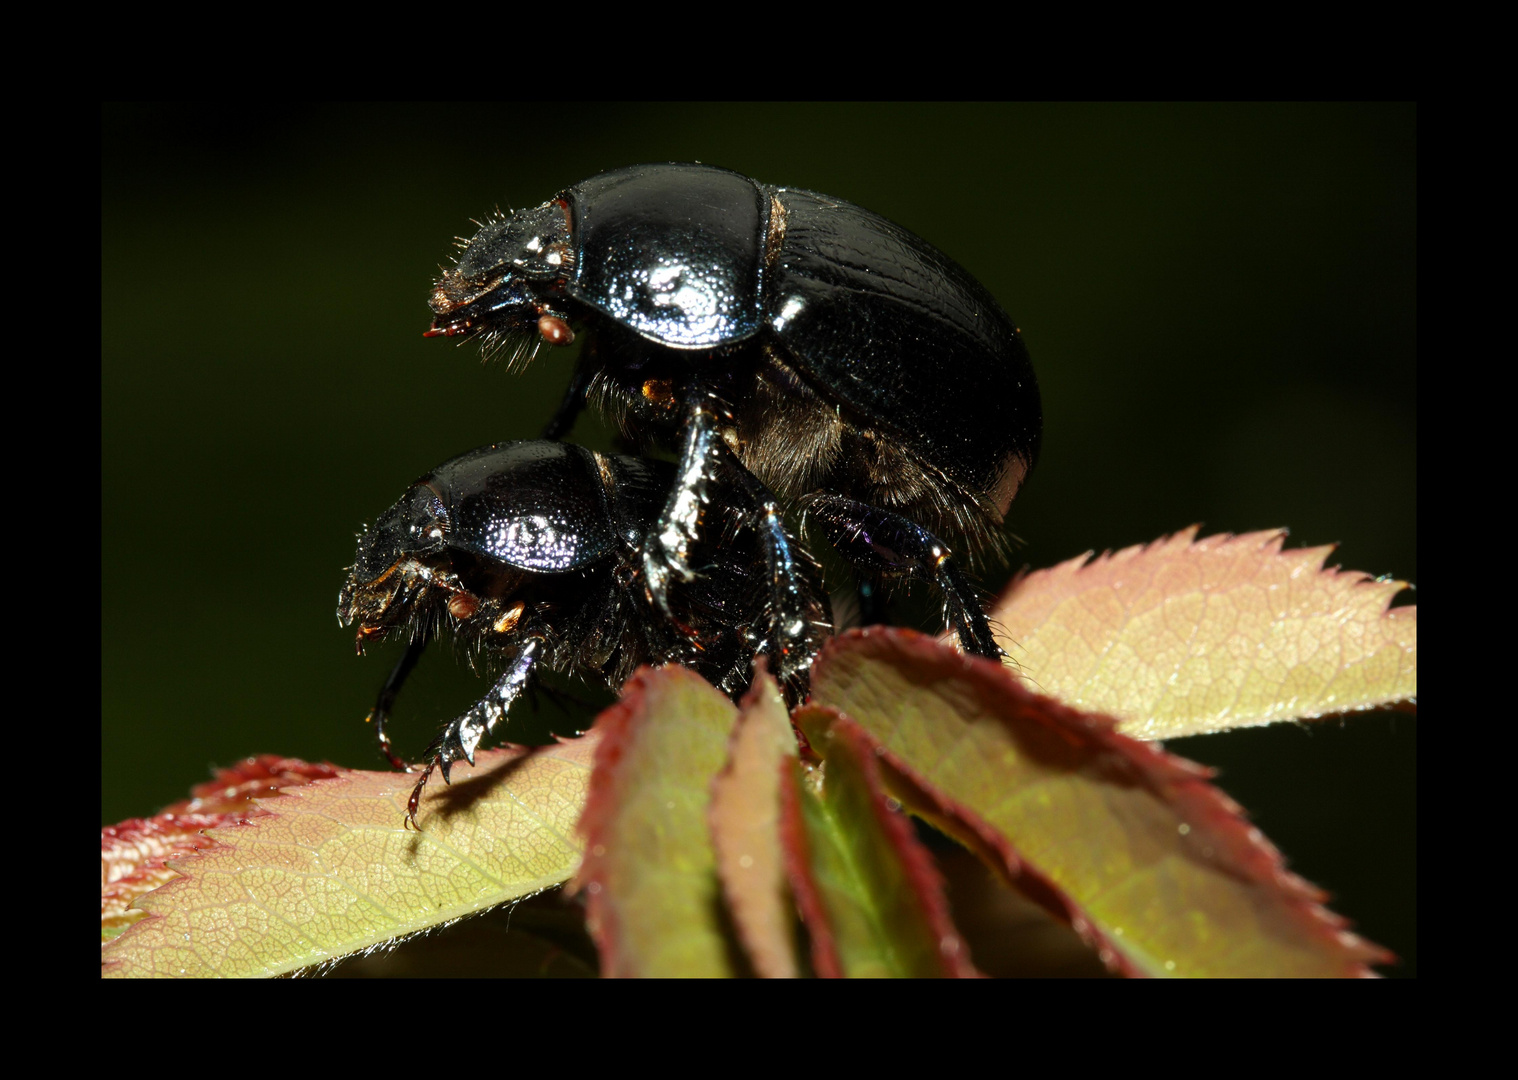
{"type": "Point", "coordinates": [874, 317]}
{"type": "Point", "coordinates": [538, 506]}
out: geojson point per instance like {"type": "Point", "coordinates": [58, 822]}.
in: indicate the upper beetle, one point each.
{"type": "Point", "coordinates": [798, 345]}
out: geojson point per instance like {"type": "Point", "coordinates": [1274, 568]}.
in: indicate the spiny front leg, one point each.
{"type": "Point", "coordinates": [884, 544]}
{"type": "Point", "coordinates": [462, 737]}
{"type": "Point", "coordinates": [666, 552]}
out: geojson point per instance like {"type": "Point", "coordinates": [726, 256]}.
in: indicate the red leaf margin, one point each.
{"type": "Point", "coordinates": [921, 871]}
{"type": "Point", "coordinates": [1238, 846]}
{"type": "Point", "coordinates": [770, 960]}
{"type": "Point", "coordinates": [793, 843]}
{"type": "Point", "coordinates": [616, 724]}
{"type": "Point", "coordinates": [135, 854]}
{"type": "Point", "coordinates": [1311, 560]}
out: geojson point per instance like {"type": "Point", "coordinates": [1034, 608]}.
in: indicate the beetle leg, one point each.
{"type": "Point", "coordinates": [666, 551]}
{"type": "Point", "coordinates": [884, 544]}
{"type": "Point", "coordinates": [572, 405]}
{"type": "Point", "coordinates": [462, 737]}
{"type": "Point", "coordinates": [381, 711]}
{"type": "Point", "coordinates": [797, 619]}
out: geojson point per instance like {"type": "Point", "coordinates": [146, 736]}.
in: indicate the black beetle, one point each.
{"type": "Point", "coordinates": [529, 553]}
{"type": "Point", "coordinates": [804, 345]}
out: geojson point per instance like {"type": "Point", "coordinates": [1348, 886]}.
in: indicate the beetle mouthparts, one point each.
{"type": "Point", "coordinates": [460, 307]}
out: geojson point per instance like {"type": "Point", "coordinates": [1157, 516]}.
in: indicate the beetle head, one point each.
{"type": "Point", "coordinates": [493, 288]}
{"type": "Point", "coordinates": [399, 563]}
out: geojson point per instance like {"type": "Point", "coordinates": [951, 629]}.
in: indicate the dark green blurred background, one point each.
{"type": "Point", "coordinates": [1220, 302]}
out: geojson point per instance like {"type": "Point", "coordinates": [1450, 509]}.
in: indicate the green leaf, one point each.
{"type": "Point", "coordinates": [1152, 864]}
{"type": "Point", "coordinates": [650, 874]}
{"type": "Point", "coordinates": [745, 817]}
{"type": "Point", "coordinates": [875, 904]}
{"type": "Point", "coordinates": [329, 869]}
{"type": "Point", "coordinates": [1186, 636]}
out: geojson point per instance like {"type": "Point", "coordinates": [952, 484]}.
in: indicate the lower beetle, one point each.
{"type": "Point", "coordinates": [529, 553]}
{"type": "Point", "coordinates": [793, 342]}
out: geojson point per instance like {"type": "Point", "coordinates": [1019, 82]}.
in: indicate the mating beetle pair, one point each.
{"type": "Point", "coordinates": [794, 350]}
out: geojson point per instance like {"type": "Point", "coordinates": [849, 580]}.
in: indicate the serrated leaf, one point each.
{"type": "Point", "coordinates": [134, 855]}
{"type": "Point", "coordinates": [875, 904]}
{"type": "Point", "coordinates": [650, 875]}
{"type": "Point", "coordinates": [329, 868]}
{"type": "Point", "coordinates": [1152, 864]}
{"type": "Point", "coordinates": [1185, 636]}
{"type": "Point", "coordinates": [745, 821]}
